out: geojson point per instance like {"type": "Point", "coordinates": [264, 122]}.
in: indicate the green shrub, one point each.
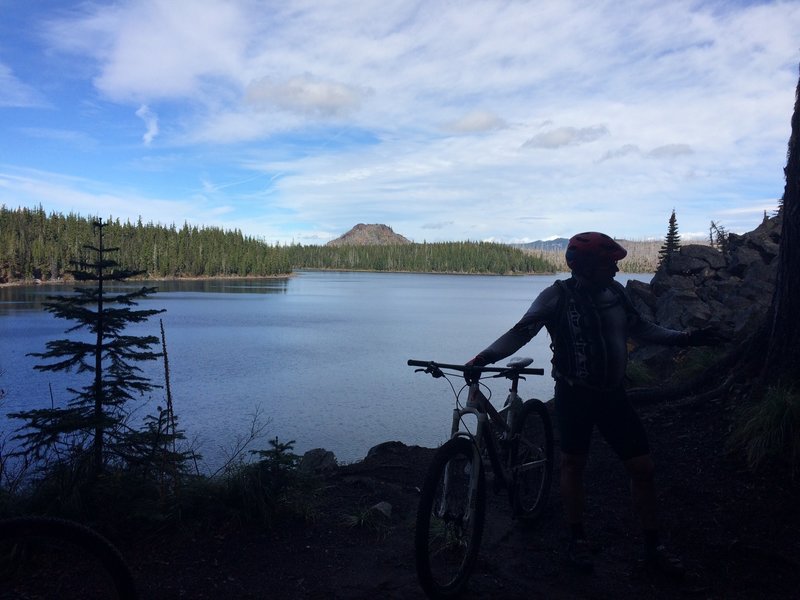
{"type": "Point", "coordinates": [693, 363]}
{"type": "Point", "coordinates": [259, 492]}
{"type": "Point", "coordinates": [770, 429]}
{"type": "Point", "coordinates": [639, 374]}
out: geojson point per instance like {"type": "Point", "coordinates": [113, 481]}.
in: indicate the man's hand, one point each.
{"type": "Point", "coordinates": [705, 336]}
{"type": "Point", "coordinates": [472, 375]}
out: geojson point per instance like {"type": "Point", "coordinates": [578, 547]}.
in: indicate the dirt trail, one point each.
{"type": "Point", "coordinates": [737, 533]}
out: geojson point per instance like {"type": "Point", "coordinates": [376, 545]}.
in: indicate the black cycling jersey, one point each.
{"type": "Point", "coordinates": [589, 329]}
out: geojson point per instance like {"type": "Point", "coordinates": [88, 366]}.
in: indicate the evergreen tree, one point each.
{"type": "Point", "coordinates": [718, 237]}
{"type": "Point", "coordinates": [94, 417]}
{"type": "Point", "coordinates": [672, 242]}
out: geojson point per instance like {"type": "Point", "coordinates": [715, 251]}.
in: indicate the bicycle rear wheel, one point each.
{"type": "Point", "coordinates": [42, 557]}
{"type": "Point", "coordinates": [532, 460]}
{"type": "Point", "coordinates": [450, 519]}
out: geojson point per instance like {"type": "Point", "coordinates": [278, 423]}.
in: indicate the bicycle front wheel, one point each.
{"type": "Point", "coordinates": [532, 460]}
{"type": "Point", "coordinates": [450, 519]}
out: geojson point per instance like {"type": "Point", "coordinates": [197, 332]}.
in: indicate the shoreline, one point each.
{"type": "Point", "coordinates": [35, 282]}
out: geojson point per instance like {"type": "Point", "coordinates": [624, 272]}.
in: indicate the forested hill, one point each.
{"type": "Point", "coordinates": [35, 245]}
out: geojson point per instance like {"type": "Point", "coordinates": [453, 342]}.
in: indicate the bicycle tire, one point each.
{"type": "Point", "coordinates": [448, 536]}
{"type": "Point", "coordinates": [531, 460]}
{"type": "Point", "coordinates": [67, 558]}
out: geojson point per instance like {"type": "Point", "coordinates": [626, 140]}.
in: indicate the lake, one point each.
{"type": "Point", "coordinates": [320, 356]}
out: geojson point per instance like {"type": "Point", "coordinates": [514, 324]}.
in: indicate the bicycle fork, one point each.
{"type": "Point", "coordinates": [479, 406]}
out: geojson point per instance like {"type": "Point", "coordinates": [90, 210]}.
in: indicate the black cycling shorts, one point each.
{"type": "Point", "coordinates": [579, 409]}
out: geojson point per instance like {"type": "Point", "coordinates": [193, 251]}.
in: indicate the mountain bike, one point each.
{"type": "Point", "coordinates": [515, 442]}
{"type": "Point", "coordinates": [44, 557]}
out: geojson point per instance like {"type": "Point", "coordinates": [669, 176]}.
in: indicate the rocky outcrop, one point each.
{"type": "Point", "coordinates": [318, 461]}
{"type": "Point", "coordinates": [369, 235]}
{"type": "Point", "coordinates": [702, 286]}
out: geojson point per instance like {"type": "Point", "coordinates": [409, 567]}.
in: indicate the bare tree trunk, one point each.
{"type": "Point", "coordinates": [782, 357]}
{"type": "Point", "coordinates": [99, 428]}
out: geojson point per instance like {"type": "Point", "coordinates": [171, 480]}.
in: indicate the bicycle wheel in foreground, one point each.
{"type": "Point", "coordinates": [532, 460]}
{"type": "Point", "coordinates": [450, 519]}
{"type": "Point", "coordinates": [42, 557]}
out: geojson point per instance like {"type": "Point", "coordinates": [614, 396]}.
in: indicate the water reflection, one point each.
{"type": "Point", "coordinates": [27, 298]}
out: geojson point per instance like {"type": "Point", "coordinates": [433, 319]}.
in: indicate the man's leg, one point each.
{"type": "Point", "coordinates": [643, 490]}
{"type": "Point", "coordinates": [575, 423]}
{"type": "Point", "coordinates": [643, 494]}
{"type": "Point", "coordinates": [572, 494]}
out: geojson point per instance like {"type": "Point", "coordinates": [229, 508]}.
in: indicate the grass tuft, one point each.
{"type": "Point", "coordinates": [769, 430]}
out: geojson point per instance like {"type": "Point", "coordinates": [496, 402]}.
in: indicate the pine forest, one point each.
{"type": "Point", "coordinates": [38, 246]}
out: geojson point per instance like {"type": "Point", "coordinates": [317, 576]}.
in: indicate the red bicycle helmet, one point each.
{"type": "Point", "coordinates": [591, 248]}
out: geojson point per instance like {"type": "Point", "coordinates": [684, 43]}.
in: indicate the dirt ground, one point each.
{"type": "Point", "coordinates": [738, 533]}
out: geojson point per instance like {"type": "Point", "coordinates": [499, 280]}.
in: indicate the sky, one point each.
{"type": "Point", "coordinates": [294, 120]}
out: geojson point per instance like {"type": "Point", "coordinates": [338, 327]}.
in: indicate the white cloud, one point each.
{"type": "Point", "coordinates": [14, 93]}
{"type": "Point", "coordinates": [439, 225]}
{"type": "Point", "coordinates": [305, 95]}
{"type": "Point", "coordinates": [625, 150]}
{"type": "Point", "coordinates": [157, 49]}
{"type": "Point", "coordinates": [150, 121]}
{"type": "Point", "coordinates": [670, 151]}
{"type": "Point", "coordinates": [477, 121]}
{"type": "Point", "coordinates": [356, 105]}
{"type": "Point", "coordinates": [566, 136]}
{"type": "Point", "coordinates": [74, 139]}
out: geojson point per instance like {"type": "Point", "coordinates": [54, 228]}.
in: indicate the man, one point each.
{"type": "Point", "coordinates": [589, 318]}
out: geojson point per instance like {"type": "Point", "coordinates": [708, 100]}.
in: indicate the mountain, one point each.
{"type": "Point", "coordinates": [557, 244]}
{"type": "Point", "coordinates": [369, 235]}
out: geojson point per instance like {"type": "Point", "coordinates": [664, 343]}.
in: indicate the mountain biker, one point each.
{"type": "Point", "coordinates": [589, 318]}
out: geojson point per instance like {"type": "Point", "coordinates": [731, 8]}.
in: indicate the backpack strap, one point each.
{"type": "Point", "coordinates": [622, 295]}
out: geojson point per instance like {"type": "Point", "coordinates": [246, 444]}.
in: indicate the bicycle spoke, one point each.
{"type": "Point", "coordinates": [532, 464]}
{"type": "Point", "coordinates": [450, 519]}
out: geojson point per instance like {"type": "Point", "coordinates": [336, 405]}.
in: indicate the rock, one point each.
{"type": "Point", "coordinates": [744, 259]}
{"type": "Point", "coordinates": [318, 461]}
{"type": "Point", "coordinates": [384, 450]}
{"type": "Point", "coordinates": [693, 259]}
{"type": "Point", "coordinates": [643, 299]}
{"type": "Point", "coordinates": [369, 235]}
{"type": "Point", "coordinates": [713, 258]}
{"type": "Point", "coordinates": [703, 286]}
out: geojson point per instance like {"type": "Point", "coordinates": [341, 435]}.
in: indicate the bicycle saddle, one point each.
{"type": "Point", "coordinates": [519, 362]}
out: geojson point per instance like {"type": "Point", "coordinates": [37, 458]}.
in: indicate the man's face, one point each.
{"type": "Point", "coordinates": [602, 274]}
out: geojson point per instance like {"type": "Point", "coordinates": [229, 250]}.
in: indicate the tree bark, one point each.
{"type": "Point", "coordinates": [782, 356]}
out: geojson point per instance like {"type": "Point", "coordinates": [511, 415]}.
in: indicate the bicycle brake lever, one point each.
{"type": "Point", "coordinates": [435, 372]}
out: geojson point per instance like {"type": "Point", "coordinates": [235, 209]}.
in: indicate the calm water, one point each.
{"type": "Point", "coordinates": [321, 356]}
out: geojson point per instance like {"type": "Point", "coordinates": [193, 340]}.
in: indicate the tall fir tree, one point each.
{"type": "Point", "coordinates": [92, 422]}
{"type": "Point", "coordinates": [672, 242]}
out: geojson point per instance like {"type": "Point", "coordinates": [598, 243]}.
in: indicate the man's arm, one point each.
{"type": "Point", "coordinates": [655, 334]}
{"type": "Point", "coordinates": [520, 334]}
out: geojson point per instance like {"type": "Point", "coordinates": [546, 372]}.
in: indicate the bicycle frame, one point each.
{"type": "Point", "coordinates": [486, 416]}
{"type": "Point", "coordinates": [509, 441]}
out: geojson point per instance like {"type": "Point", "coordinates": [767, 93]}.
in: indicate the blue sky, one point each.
{"type": "Point", "coordinates": [475, 120]}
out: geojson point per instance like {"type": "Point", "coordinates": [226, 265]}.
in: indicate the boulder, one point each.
{"type": "Point", "coordinates": [385, 450]}
{"type": "Point", "coordinates": [318, 461]}
{"type": "Point", "coordinates": [703, 286]}
{"type": "Point", "coordinates": [693, 259]}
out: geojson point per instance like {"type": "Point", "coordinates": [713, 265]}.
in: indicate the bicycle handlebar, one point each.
{"type": "Point", "coordinates": [430, 363]}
